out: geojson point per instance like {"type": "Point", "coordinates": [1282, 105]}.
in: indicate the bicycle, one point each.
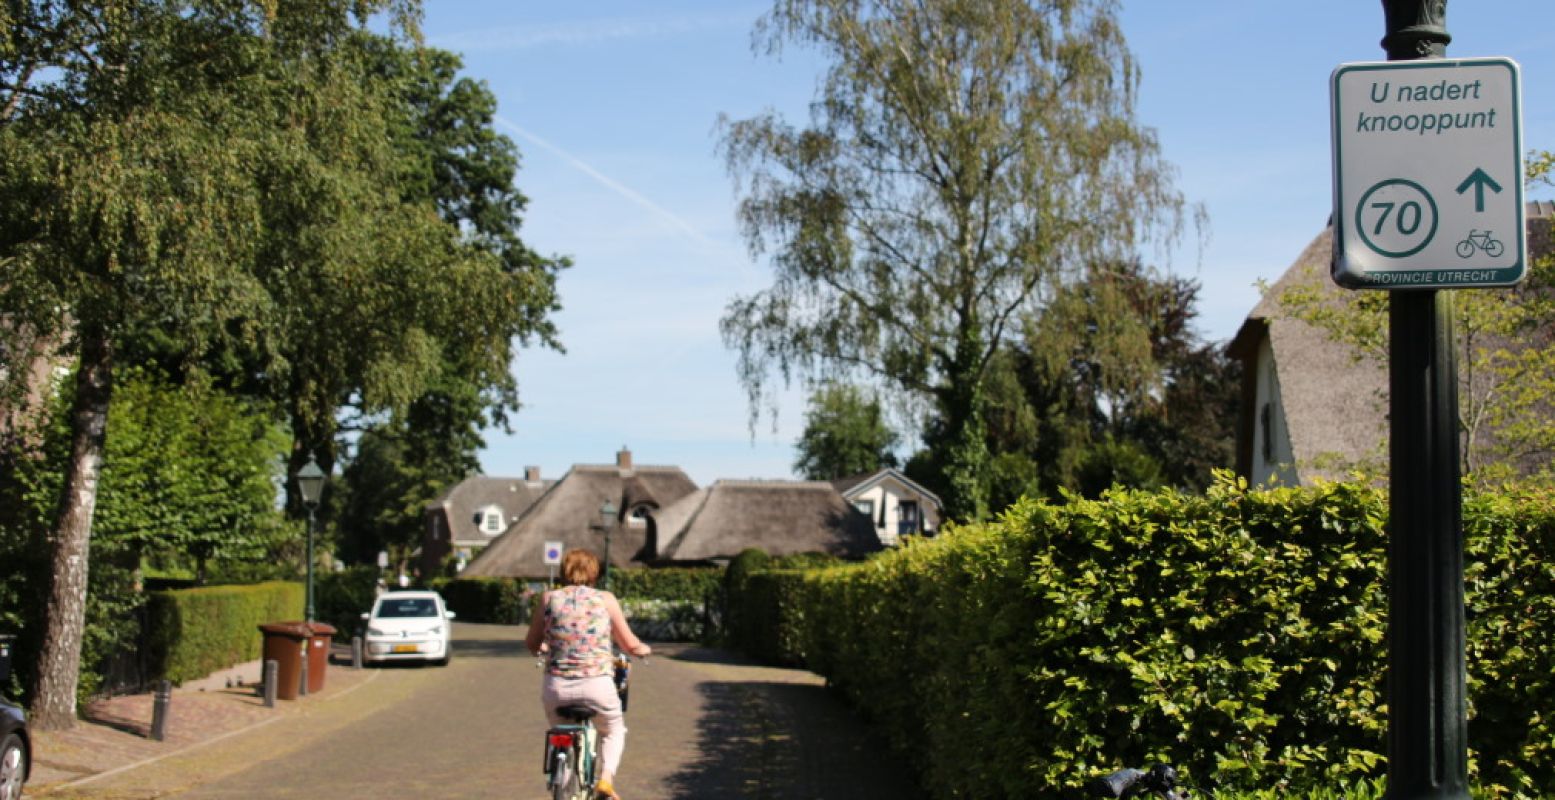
{"type": "Point", "coordinates": [1160, 781]}
{"type": "Point", "coordinates": [570, 755]}
{"type": "Point", "coordinates": [1477, 240]}
{"type": "Point", "coordinates": [571, 749]}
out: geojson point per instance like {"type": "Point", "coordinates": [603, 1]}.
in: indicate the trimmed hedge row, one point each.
{"type": "Point", "coordinates": [194, 632]}
{"type": "Point", "coordinates": [1237, 634]}
{"type": "Point", "coordinates": [504, 601]}
{"type": "Point", "coordinates": [684, 584]}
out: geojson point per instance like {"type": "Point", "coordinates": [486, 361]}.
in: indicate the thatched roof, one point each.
{"type": "Point", "coordinates": [634, 493]}
{"type": "Point", "coordinates": [569, 513]}
{"type": "Point", "coordinates": [1334, 404]}
{"type": "Point", "coordinates": [779, 517]}
{"type": "Point", "coordinates": [461, 501]}
{"type": "Point", "coordinates": [1335, 399]}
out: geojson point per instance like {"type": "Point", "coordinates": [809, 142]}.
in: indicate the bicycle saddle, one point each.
{"type": "Point", "coordinates": [575, 713]}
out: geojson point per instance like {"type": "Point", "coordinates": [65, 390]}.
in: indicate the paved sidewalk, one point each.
{"type": "Point", "coordinates": [114, 734]}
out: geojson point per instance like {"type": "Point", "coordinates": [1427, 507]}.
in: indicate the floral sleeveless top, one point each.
{"type": "Point", "coordinates": [578, 632]}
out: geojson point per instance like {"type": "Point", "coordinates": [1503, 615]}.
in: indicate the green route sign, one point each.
{"type": "Point", "coordinates": [1428, 174]}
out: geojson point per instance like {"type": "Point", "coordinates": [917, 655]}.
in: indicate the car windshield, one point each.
{"type": "Point", "coordinates": [407, 607]}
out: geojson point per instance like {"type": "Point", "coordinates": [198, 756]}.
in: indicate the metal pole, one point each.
{"type": "Point", "coordinates": [310, 564]}
{"type": "Point", "coordinates": [356, 652]}
{"type": "Point", "coordinates": [272, 669]}
{"type": "Point", "coordinates": [302, 680]}
{"type": "Point", "coordinates": [604, 580]}
{"type": "Point", "coordinates": [1427, 717]}
{"type": "Point", "coordinates": [159, 708]}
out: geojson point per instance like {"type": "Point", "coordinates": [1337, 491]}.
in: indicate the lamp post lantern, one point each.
{"type": "Point", "coordinates": [310, 482]}
{"type": "Point", "coordinates": [607, 521]}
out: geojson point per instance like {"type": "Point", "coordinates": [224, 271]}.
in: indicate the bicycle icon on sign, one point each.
{"type": "Point", "coordinates": [1479, 240]}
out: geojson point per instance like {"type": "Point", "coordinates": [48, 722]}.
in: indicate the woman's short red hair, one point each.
{"type": "Point", "coordinates": [580, 568]}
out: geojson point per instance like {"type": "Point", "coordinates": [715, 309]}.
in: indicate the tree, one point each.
{"type": "Point", "coordinates": [400, 466]}
{"type": "Point", "coordinates": [144, 147]}
{"type": "Point", "coordinates": [188, 481]}
{"type": "Point", "coordinates": [1111, 384]}
{"type": "Point", "coordinates": [845, 434]}
{"type": "Point", "coordinates": [452, 157]}
{"type": "Point", "coordinates": [1506, 356]}
{"type": "Point", "coordinates": [963, 159]}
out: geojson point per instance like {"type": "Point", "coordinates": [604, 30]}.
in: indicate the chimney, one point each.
{"type": "Point", "coordinates": [532, 474]}
{"type": "Point", "coordinates": [624, 458]}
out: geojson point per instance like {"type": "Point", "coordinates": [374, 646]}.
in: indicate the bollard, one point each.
{"type": "Point", "coordinates": [164, 697]}
{"type": "Point", "coordinates": [356, 652]}
{"type": "Point", "coordinates": [272, 667]}
{"type": "Point", "coordinates": [302, 690]}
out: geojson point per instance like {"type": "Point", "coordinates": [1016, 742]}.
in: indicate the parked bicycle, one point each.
{"type": "Point", "coordinates": [571, 763]}
{"type": "Point", "coordinates": [1160, 781]}
{"type": "Point", "coordinates": [1479, 240]}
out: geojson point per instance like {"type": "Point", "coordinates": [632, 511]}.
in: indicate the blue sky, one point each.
{"type": "Point", "coordinates": [614, 105]}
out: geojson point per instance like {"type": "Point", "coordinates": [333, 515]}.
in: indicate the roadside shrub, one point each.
{"type": "Point", "coordinates": [772, 612]}
{"type": "Point", "coordinates": [1237, 634]}
{"type": "Point", "coordinates": [340, 598]}
{"type": "Point", "coordinates": [683, 584]}
{"type": "Point", "coordinates": [671, 604]}
{"type": "Point", "coordinates": [503, 601]}
{"type": "Point", "coordinates": [194, 632]}
{"type": "Point", "coordinates": [665, 620]}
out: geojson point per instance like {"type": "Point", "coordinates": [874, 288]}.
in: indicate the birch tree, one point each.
{"type": "Point", "coordinates": [962, 158]}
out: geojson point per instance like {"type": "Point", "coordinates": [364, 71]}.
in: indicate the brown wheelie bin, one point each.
{"type": "Point", "coordinates": [321, 636]}
{"type": "Point", "coordinates": [285, 643]}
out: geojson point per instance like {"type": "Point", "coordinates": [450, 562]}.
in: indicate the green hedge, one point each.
{"type": "Point", "coordinates": [1238, 635]}
{"type": "Point", "coordinates": [682, 584]}
{"type": "Point", "coordinates": [504, 601]}
{"type": "Point", "coordinates": [772, 612]}
{"type": "Point", "coordinates": [340, 598]}
{"type": "Point", "coordinates": [194, 632]}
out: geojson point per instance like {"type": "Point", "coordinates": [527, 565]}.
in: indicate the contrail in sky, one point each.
{"type": "Point", "coordinates": [611, 184]}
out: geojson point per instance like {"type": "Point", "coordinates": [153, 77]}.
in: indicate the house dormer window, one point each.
{"type": "Point", "coordinates": [489, 520]}
{"type": "Point", "coordinates": [638, 517]}
{"type": "Point", "coordinates": [865, 507]}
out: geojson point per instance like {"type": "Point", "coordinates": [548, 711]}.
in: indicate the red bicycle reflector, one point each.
{"type": "Point", "coordinates": [561, 740]}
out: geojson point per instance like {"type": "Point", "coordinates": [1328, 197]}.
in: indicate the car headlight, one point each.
{"type": "Point", "coordinates": [371, 631]}
{"type": "Point", "coordinates": [435, 630]}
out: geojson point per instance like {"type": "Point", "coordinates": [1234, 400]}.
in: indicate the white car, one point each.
{"type": "Point", "coordinates": [408, 626]}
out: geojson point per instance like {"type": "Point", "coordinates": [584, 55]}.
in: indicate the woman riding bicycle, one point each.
{"type": "Point", "coordinates": [575, 625]}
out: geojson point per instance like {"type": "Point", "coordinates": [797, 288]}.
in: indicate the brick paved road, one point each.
{"type": "Point", "coordinates": [702, 725]}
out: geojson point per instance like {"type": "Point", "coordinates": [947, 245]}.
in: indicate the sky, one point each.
{"type": "Point", "coordinates": [614, 106]}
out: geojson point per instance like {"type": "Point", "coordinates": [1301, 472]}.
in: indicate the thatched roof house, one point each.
{"type": "Point", "coordinates": [468, 516]}
{"type": "Point", "coordinates": [1313, 407]}
{"type": "Point", "coordinates": [779, 517]}
{"type": "Point", "coordinates": [569, 512]}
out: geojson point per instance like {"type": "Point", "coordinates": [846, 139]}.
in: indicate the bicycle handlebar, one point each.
{"type": "Point", "coordinates": [1128, 782]}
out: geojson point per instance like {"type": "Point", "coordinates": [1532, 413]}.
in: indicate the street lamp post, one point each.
{"type": "Point", "coordinates": [1427, 688]}
{"type": "Point", "coordinates": [607, 522]}
{"type": "Point", "coordinates": [310, 482]}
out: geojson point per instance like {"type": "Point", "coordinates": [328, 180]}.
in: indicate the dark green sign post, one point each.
{"type": "Point", "coordinates": [1427, 727]}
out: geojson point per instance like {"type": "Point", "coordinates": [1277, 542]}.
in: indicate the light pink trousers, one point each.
{"type": "Point", "coordinates": [596, 693]}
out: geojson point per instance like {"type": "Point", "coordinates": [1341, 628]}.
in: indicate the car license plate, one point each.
{"type": "Point", "coordinates": [404, 648]}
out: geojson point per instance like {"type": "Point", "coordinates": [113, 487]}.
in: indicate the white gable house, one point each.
{"type": "Point", "coordinates": [896, 505]}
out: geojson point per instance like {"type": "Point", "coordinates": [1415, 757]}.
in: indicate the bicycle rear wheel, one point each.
{"type": "Point", "coordinates": [564, 778]}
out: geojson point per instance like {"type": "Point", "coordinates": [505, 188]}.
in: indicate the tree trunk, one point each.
{"type": "Point", "coordinates": [59, 663]}
{"type": "Point", "coordinates": [965, 461]}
